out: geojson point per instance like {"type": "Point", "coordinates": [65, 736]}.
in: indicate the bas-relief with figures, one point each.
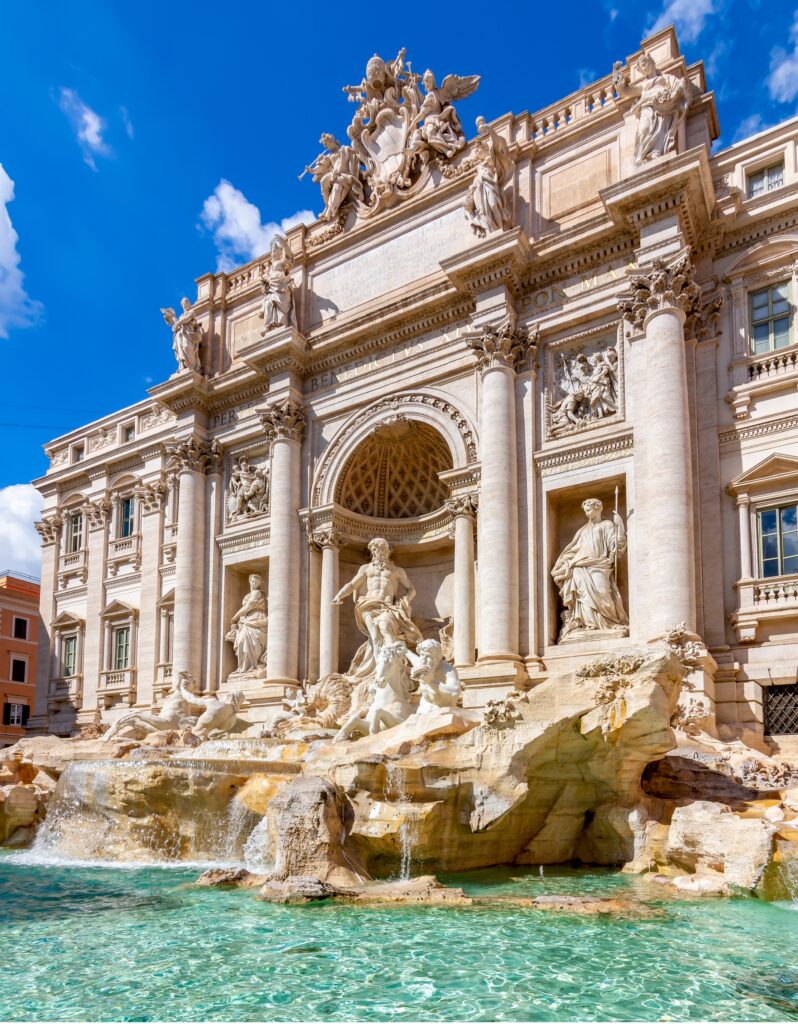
{"type": "Point", "coordinates": [485, 339]}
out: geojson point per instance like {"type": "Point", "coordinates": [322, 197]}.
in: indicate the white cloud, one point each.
{"type": "Point", "coordinates": [783, 77]}
{"type": "Point", "coordinates": [16, 308]}
{"type": "Point", "coordinates": [689, 17]}
{"type": "Point", "coordinates": [236, 226]}
{"type": "Point", "coordinates": [87, 125]}
{"type": "Point", "coordinates": [749, 126]}
{"type": "Point", "coordinates": [123, 113]}
{"type": "Point", "coordinates": [586, 76]}
{"type": "Point", "coordinates": [20, 546]}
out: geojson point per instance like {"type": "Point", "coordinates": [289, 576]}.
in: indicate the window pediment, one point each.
{"type": "Point", "coordinates": [773, 472]}
{"type": "Point", "coordinates": [119, 610]}
{"type": "Point", "coordinates": [67, 620]}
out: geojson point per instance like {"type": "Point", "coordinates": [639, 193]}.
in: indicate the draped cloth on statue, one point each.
{"type": "Point", "coordinates": [585, 574]}
{"type": "Point", "coordinates": [393, 619]}
{"type": "Point", "coordinates": [250, 640]}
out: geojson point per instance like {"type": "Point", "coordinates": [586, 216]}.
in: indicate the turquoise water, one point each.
{"type": "Point", "coordinates": [104, 944]}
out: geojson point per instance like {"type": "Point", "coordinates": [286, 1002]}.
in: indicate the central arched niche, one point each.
{"type": "Point", "coordinates": [393, 473]}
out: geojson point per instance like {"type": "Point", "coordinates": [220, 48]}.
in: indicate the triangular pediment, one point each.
{"type": "Point", "coordinates": [168, 598]}
{"type": "Point", "coordinates": [119, 608]}
{"type": "Point", "coordinates": [774, 470]}
{"type": "Point", "coordinates": [67, 619]}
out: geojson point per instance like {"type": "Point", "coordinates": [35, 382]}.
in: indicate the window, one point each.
{"type": "Point", "coordinates": [19, 670]}
{"type": "Point", "coordinates": [78, 453]}
{"type": "Point", "coordinates": [74, 533]}
{"type": "Point", "coordinates": [765, 180]}
{"type": "Point", "coordinates": [126, 517]}
{"type": "Point", "coordinates": [20, 629]}
{"type": "Point", "coordinates": [121, 651]}
{"type": "Point", "coordinates": [15, 714]}
{"type": "Point", "coordinates": [771, 313]}
{"type": "Point", "coordinates": [128, 433]}
{"type": "Point", "coordinates": [69, 655]}
{"type": "Point", "coordinates": [778, 540]}
{"type": "Point", "coordinates": [781, 709]}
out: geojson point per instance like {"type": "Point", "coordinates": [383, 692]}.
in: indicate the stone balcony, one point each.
{"type": "Point", "coordinates": [766, 374]}
{"type": "Point", "coordinates": [163, 681]}
{"type": "Point", "coordinates": [763, 601]}
{"type": "Point", "coordinates": [73, 565]}
{"type": "Point", "coordinates": [124, 551]}
{"type": "Point", "coordinates": [117, 685]}
{"type": "Point", "coordinates": [65, 690]}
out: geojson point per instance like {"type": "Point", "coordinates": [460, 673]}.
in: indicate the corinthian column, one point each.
{"type": "Point", "coordinates": [662, 298]}
{"type": "Point", "coordinates": [464, 510]}
{"type": "Point", "coordinates": [190, 460]}
{"type": "Point", "coordinates": [284, 423]}
{"type": "Point", "coordinates": [330, 543]}
{"type": "Point", "coordinates": [499, 351]}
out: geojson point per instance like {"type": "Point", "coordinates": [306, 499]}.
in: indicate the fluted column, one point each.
{"type": "Point", "coordinates": [150, 499]}
{"type": "Point", "coordinates": [464, 606]}
{"type": "Point", "coordinates": [49, 529]}
{"type": "Point", "coordinates": [499, 351]}
{"type": "Point", "coordinates": [190, 460]}
{"type": "Point", "coordinates": [744, 514]}
{"type": "Point", "coordinates": [330, 543]}
{"type": "Point", "coordinates": [662, 298]}
{"type": "Point", "coordinates": [284, 423]}
{"type": "Point", "coordinates": [96, 522]}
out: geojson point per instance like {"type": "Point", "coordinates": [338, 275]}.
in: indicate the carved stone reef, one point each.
{"type": "Point", "coordinates": [584, 768]}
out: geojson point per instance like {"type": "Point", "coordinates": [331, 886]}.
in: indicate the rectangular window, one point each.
{"type": "Point", "coordinates": [781, 709]}
{"type": "Point", "coordinates": [69, 655]}
{"type": "Point", "coordinates": [20, 629]}
{"type": "Point", "coordinates": [78, 453]}
{"type": "Point", "coordinates": [121, 653]}
{"type": "Point", "coordinates": [19, 670]}
{"type": "Point", "coordinates": [15, 714]}
{"type": "Point", "coordinates": [74, 533]}
{"type": "Point", "coordinates": [771, 315]}
{"type": "Point", "coordinates": [765, 180]}
{"type": "Point", "coordinates": [126, 517]}
{"type": "Point", "coordinates": [778, 541]}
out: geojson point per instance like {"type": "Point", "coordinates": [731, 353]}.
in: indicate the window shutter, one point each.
{"type": "Point", "coordinates": [25, 714]}
{"type": "Point", "coordinates": [6, 714]}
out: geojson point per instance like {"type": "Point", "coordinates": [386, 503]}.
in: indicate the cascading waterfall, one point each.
{"type": "Point", "coordinates": [257, 854]}
{"type": "Point", "coordinates": [396, 784]}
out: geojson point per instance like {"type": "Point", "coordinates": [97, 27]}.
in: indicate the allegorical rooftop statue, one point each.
{"type": "Point", "coordinates": [186, 336]}
{"type": "Point", "coordinates": [661, 107]}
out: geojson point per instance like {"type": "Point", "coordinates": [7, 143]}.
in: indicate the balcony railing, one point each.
{"type": "Point", "coordinates": [72, 563]}
{"type": "Point", "coordinates": [66, 690]}
{"type": "Point", "coordinates": [124, 550]}
{"type": "Point", "coordinates": [117, 684]}
{"type": "Point", "coordinates": [761, 600]}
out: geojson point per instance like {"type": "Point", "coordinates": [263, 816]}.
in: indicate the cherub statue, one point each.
{"type": "Point", "coordinates": [438, 681]}
{"type": "Point", "coordinates": [337, 170]}
{"type": "Point", "coordinates": [278, 298]}
{"type": "Point", "coordinates": [219, 716]}
{"type": "Point", "coordinates": [485, 204]}
{"type": "Point", "coordinates": [186, 336]}
{"type": "Point", "coordinates": [661, 107]}
{"type": "Point", "coordinates": [436, 124]}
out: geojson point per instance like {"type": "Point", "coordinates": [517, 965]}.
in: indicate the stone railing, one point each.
{"type": "Point", "coordinates": [66, 690]}
{"type": "Point", "coordinates": [73, 563]}
{"type": "Point", "coordinates": [761, 600]}
{"type": "Point", "coordinates": [123, 550]}
{"type": "Point", "coordinates": [774, 364]}
{"type": "Point", "coordinates": [577, 107]}
{"type": "Point", "coordinates": [163, 680]}
{"type": "Point", "coordinates": [117, 683]}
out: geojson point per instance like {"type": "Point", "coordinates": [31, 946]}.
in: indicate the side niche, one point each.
{"type": "Point", "coordinates": [584, 383]}
{"type": "Point", "coordinates": [248, 489]}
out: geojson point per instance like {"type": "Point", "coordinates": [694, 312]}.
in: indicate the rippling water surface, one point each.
{"type": "Point", "coordinates": [100, 944]}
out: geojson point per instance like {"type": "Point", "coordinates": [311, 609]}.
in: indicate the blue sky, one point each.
{"type": "Point", "coordinates": [145, 144]}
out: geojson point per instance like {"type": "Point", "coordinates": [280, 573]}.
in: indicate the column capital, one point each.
{"type": "Point", "coordinates": [328, 537]}
{"type": "Point", "coordinates": [49, 528]}
{"type": "Point", "coordinates": [151, 497]}
{"type": "Point", "coordinates": [97, 513]}
{"type": "Point", "coordinates": [503, 344]}
{"type": "Point", "coordinates": [665, 285]}
{"type": "Point", "coordinates": [193, 454]}
{"type": "Point", "coordinates": [284, 420]}
{"type": "Point", "coordinates": [463, 505]}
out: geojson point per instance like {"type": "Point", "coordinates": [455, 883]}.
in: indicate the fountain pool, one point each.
{"type": "Point", "coordinates": [146, 944]}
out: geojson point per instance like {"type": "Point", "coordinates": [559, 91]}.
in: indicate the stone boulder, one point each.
{"type": "Point", "coordinates": [52, 754]}
{"type": "Point", "coordinates": [19, 809]}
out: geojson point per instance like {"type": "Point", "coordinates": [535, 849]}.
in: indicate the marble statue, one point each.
{"type": "Point", "coordinates": [438, 681]}
{"type": "Point", "coordinates": [173, 715]}
{"type": "Point", "coordinates": [380, 612]}
{"type": "Point", "coordinates": [337, 170]}
{"type": "Point", "coordinates": [186, 336]}
{"type": "Point", "coordinates": [436, 124]}
{"type": "Point", "coordinates": [278, 295]}
{"type": "Point", "coordinates": [662, 102]}
{"type": "Point", "coordinates": [247, 491]}
{"type": "Point", "coordinates": [589, 389]}
{"type": "Point", "coordinates": [390, 695]}
{"type": "Point", "coordinates": [485, 204]}
{"type": "Point", "coordinates": [586, 574]}
{"type": "Point", "coordinates": [248, 631]}
{"type": "Point", "coordinates": [219, 717]}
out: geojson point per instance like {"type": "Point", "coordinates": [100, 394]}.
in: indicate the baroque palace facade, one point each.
{"type": "Point", "coordinates": [474, 339]}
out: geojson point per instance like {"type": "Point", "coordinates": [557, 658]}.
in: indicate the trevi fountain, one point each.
{"type": "Point", "coordinates": [418, 650]}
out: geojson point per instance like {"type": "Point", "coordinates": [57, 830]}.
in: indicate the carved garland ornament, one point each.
{"type": "Point", "coordinates": [284, 420]}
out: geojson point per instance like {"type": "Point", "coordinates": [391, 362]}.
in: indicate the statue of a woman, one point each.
{"type": "Point", "coordinates": [585, 572]}
{"type": "Point", "coordinates": [248, 631]}
{"type": "Point", "coordinates": [278, 298]}
{"type": "Point", "coordinates": [661, 107]}
{"type": "Point", "coordinates": [486, 205]}
{"type": "Point", "coordinates": [186, 337]}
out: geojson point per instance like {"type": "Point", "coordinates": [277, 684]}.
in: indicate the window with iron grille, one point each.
{"type": "Point", "coordinates": [781, 710]}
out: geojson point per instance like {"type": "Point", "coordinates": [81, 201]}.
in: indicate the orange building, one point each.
{"type": "Point", "coordinates": [19, 637]}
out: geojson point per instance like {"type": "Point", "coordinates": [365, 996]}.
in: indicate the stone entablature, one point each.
{"type": "Point", "coordinates": [550, 311]}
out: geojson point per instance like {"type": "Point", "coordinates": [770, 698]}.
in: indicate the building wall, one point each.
{"type": "Point", "coordinates": [19, 600]}
{"type": "Point", "coordinates": [386, 310]}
